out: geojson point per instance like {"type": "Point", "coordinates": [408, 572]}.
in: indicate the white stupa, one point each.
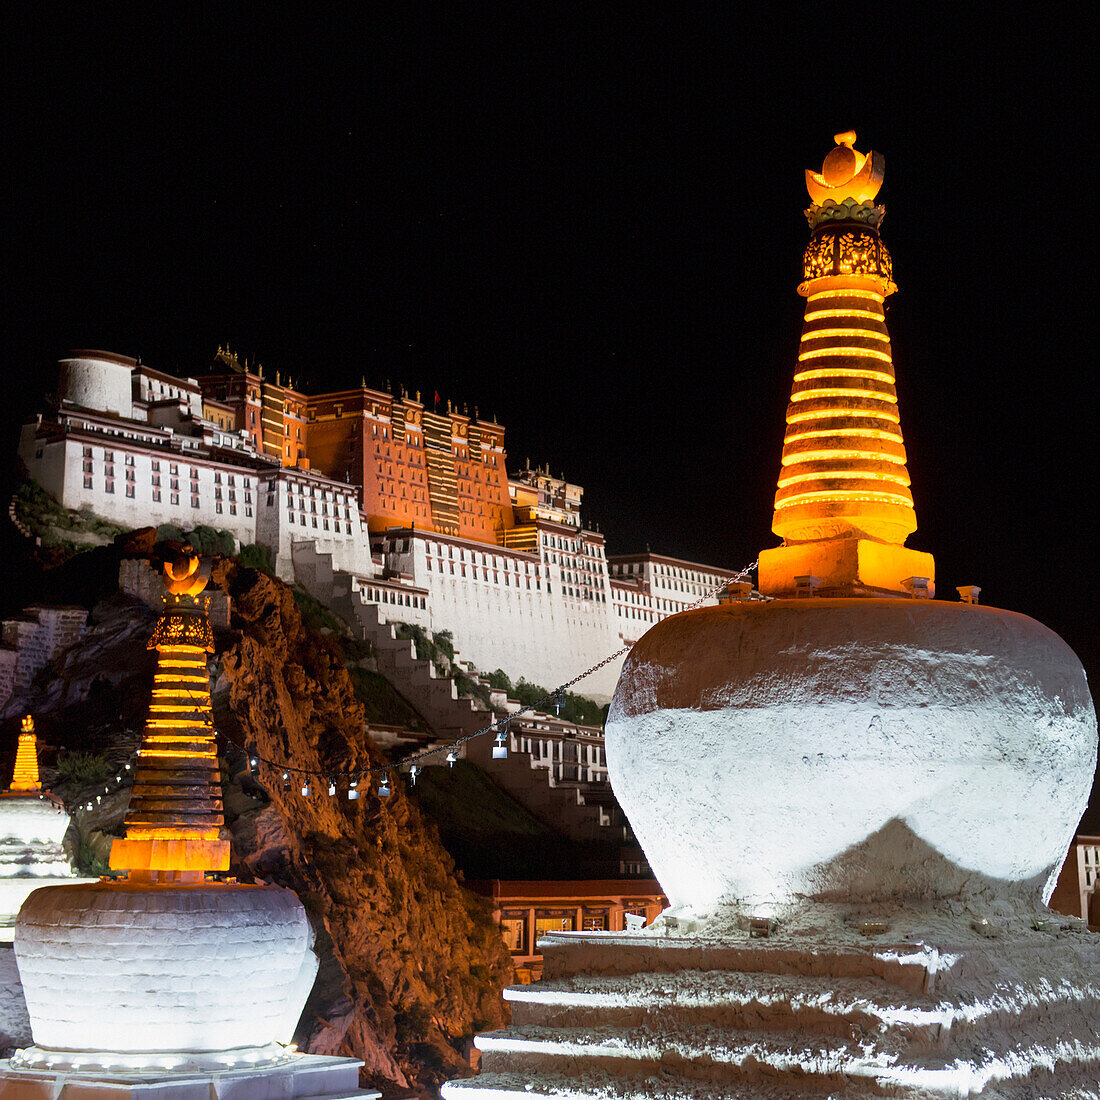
{"type": "Point", "coordinates": [855, 796]}
{"type": "Point", "coordinates": [33, 823]}
{"type": "Point", "coordinates": [165, 982]}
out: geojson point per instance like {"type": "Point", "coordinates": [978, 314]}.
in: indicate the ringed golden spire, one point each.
{"type": "Point", "coordinates": [25, 774]}
{"type": "Point", "coordinates": [843, 476]}
{"type": "Point", "coordinates": [175, 814]}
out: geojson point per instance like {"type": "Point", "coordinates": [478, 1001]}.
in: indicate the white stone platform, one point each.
{"type": "Point", "coordinates": [305, 1076]}
{"type": "Point", "coordinates": [936, 1004]}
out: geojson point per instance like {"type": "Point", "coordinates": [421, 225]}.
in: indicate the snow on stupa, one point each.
{"type": "Point", "coordinates": [855, 796]}
{"type": "Point", "coordinates": [166, 980]}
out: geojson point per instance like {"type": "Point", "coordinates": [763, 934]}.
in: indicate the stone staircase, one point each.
{"type": "Point", "coordinates": [581, 811]}
{"type": "Point", "coordinates": [624, 1017]}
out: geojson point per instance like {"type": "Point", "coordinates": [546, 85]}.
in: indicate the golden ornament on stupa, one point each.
{"type": "Point", "coordinates": [175, 814]}
{"type": "Point", "coordinates": [25, 775]}
{"type": "Point", "coordinates": [843, 504]}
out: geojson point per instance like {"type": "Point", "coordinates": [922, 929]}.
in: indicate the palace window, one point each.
{"type": "Point", "coordinates": [174, 498]}
{"type": "Point", "coordinates": [87, 481]}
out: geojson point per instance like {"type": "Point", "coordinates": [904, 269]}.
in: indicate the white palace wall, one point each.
{"type": "Point", "coordinates": [506, 609]}
{"type": "Point", "coordinates": [544, 614]}
{"type": "Point", "coordinates": [296, 505]}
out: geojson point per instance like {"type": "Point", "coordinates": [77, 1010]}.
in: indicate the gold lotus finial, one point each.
{"type": "Point", "coordinates": [181, 574]}
{"type": "Point", "coordinates": [846, 173]}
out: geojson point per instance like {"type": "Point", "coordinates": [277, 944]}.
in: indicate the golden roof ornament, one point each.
{"type": "Point", "coordinates": [846, 173]}
{"type": "Point", "coordinates": [25, 774]}
{"type": "Point", "coordinates": [175, 815]}
{"type": "Point", "coordinates": [843, 503]}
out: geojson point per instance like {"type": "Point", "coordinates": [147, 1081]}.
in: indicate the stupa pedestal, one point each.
{"type": "Point", "coordinates": [857, 805]}
{"type": "Point", "coordinates": [936, 1005]}
{"type": "Point", "coordinates": [166, 983]}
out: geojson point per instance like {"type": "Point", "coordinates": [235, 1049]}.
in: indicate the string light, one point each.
{"type": "Point", "coordinates": [556, 698]}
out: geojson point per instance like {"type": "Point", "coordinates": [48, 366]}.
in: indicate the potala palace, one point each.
{"type": "Point", "coordinates": [366, 493]}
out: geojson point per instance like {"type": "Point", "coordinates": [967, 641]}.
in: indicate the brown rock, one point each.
{"type": "Point", "coordinates": [411, 963]}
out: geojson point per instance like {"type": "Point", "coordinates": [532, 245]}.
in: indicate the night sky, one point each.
{"type": "Point", "coordinates": [588, 221]}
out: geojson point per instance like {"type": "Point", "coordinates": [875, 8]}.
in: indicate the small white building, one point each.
{"type": "Point", "coordinates": [142, 455]}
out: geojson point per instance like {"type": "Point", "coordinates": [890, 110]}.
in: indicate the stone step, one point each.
{"type": "Point", "coordinates": [908, 966]}
{"type": "Point", "coordinates": [666, 1050]}
{"type": "Point", "coordinates": [506, 1086]}
{"type": "Point", "coordinates": [734, 1000]}
{"type": "Point", "coordinates": [1013, 1062]}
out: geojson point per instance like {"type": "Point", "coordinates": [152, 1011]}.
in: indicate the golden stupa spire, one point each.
{"type": "Point", "coordinates": [25, 775]}
{"type": "Point", "coordinates": [843, 506]}
{"type": "Point", "coordinates": [175, 812]}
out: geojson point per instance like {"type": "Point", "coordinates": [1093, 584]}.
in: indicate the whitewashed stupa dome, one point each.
{"type": "Point", "coordinates": [212, 974]}
{"type": "Point", "coordinates": [33, 822]}
{"type": "Point", "coordinates": [850, 748]}
{"type": "Point", "coordinates": [166, 968]}
{"type": "Point", "coordinates": [32, 827]}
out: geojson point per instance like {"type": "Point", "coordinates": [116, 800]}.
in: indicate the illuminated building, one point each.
{"type": "Point", "coordinates": [856, 797]}
{"type": "Point", "coordinates": [415, 466]}
{"type": "Point", "coordinates": [526, 910]}
{"type": "Point", "coordinates": [410, 509]}
{"type": "Point", "coordinates": [270, 414]}
{"type": "Point", "coordinates": [167, 979]}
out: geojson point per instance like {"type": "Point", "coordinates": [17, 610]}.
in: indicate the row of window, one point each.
{"type": "Point", "coordinates": [156, 497]}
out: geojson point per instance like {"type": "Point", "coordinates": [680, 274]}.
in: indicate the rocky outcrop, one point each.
{"type": "Point", "coordinates": [411, 964]}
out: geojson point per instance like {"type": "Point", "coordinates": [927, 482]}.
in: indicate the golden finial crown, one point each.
{"type": "Point", "coordinates": [846, 173]}
{"type": "Point", "coordinates": [28, 724]}
{"type": "Point", "coordinates": [181, 574]}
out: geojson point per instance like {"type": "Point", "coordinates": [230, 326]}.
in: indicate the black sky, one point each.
{"type": "Point", "coordinates": [588, 220]}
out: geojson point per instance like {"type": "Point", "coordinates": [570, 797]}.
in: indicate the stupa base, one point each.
{"type": "Point", "coordinates": [834, 1002]}
{"type": "Point", "coordinates": [306, 1076]}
